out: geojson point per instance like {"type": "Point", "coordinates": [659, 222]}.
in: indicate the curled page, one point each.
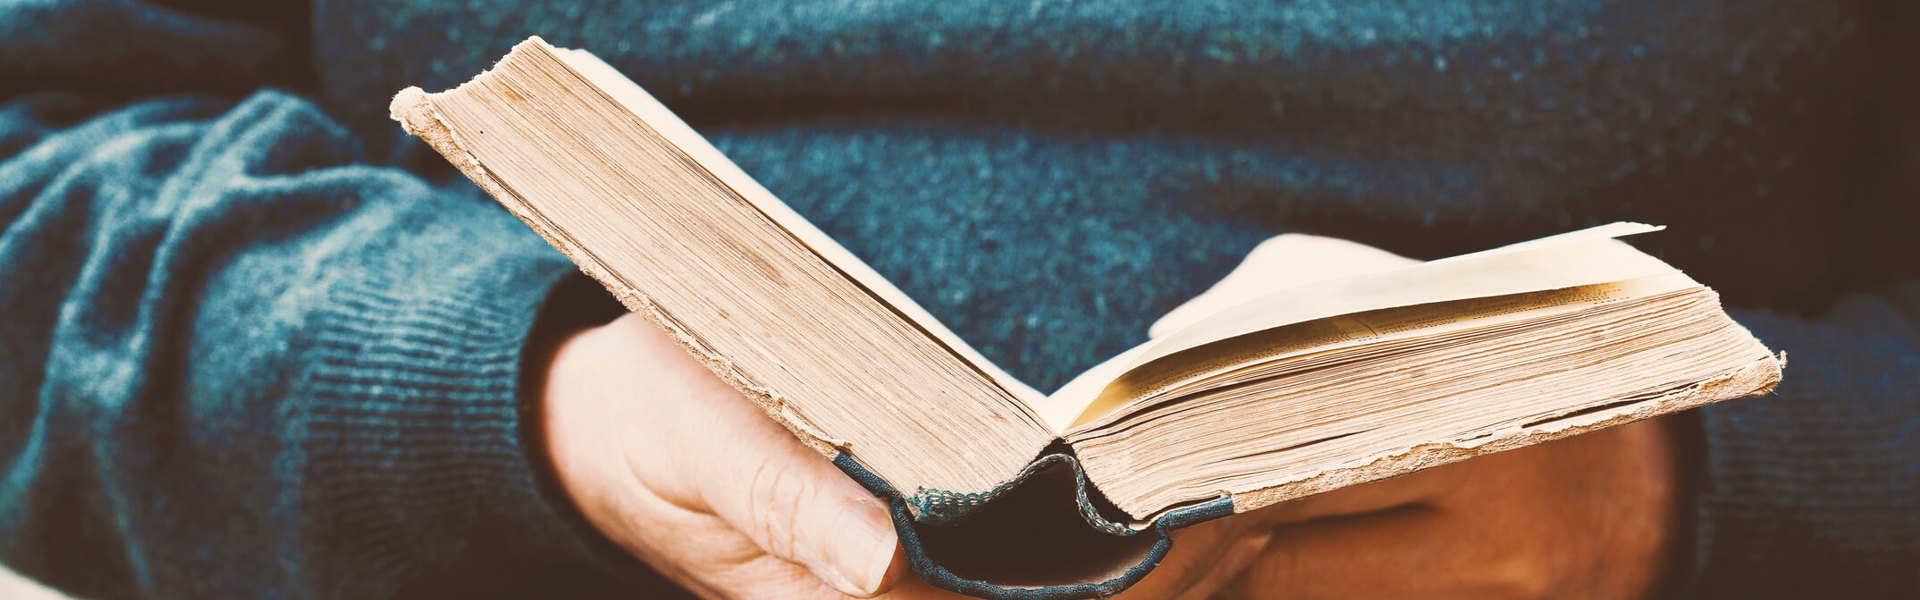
{"type": "Point", "coordinates": [1585, 257]}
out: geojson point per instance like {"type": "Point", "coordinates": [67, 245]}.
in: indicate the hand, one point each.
{"type": "Point", "coordinates": [681, 470]}
{"type": "Point", "coordinates": [1584, 517]}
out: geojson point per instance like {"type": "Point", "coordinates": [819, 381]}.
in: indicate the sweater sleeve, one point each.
{"type": "Point", "coordinates": [1814, 491]}
{"type": "Point", "coordinates": [236, 361]}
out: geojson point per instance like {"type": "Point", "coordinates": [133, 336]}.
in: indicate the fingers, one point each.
{"type": "Point", "coordinates": [1409, 553]}
{"type": "Point", "coordinates": [1588, 516]}
{"type": "Point", "coordinates": [1386, 494]}
{"type": "Point", "coordinates": [737, 464]}
{"type": "Point", "coordinates": [1236, 559]}
{"type": "Point", "coordinates": [706, 555]}
{"type": "Point", "coordinates": [1203, 556]}
{"type": "Point", "coordinates": [796, 505]}
{"type": "Point", "coordinates": [763, 576]}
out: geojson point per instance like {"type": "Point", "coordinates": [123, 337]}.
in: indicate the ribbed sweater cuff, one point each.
{"type": "Point", "coordinates": [418, 446]}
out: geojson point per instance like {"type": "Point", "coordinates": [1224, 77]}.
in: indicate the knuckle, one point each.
{"type": "Point", "coordinates": [774, 497]}
{"type": "Point", "coordinates": [1523, 575]}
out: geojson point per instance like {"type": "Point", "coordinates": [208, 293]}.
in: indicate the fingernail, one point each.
{"type": "Point", "coordinates": [864, 549]}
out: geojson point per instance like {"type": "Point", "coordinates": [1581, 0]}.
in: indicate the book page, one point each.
{"type": "Point", "coordinates": [1585, 257]}
{"type": "Point", "coordinates": [1283, 262]}
{"type": "Point", "coordinates": [1327, 420]}
{"type": "Point", "coordinates": [1579, 258]}
{"type": "Point", "coordinates": [841, 369]}
{"type": "Point", "coordinates": [639, 102]}
{"type": "Point", "coordinates": [1255, 356]}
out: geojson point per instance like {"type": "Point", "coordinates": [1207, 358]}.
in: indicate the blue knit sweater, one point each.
{"type": "Point", "coordinates": [255, 344]}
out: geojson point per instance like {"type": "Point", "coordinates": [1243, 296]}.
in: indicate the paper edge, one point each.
{"type": "Point", "coordinates": [1756, 378]}
{"type": "Point", "coordinates": [1603, 237]}
{"type": "Point", "coordinates": [670, 126]}
{"type": "Point", "coordinates": [413, 109]}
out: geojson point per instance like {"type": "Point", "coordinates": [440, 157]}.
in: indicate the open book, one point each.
{"type": "Point", "coordinates": [996, 487]}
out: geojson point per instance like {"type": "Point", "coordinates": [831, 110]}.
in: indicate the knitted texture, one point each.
{"type": "Point", "coordinates": [1815, 489]}
{"type": "Point", "coordinates": [1050, 177]}
{"type": "Point", "coordinates": [236, 363]}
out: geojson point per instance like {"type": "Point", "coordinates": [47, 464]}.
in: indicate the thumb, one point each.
{"type": "Point", "coordinates": [797, 507]}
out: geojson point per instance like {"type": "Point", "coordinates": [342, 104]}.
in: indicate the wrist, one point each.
{"type": "Point", "coordinates": [572, 310]}
{"type": "Point", "coordinates": [574, 305]}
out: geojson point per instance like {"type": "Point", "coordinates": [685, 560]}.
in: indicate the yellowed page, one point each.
{"type": "Point", "coordinates": [639, 102]}
{"type": "Point", "coordinates": [1539, 265]}
{"type": "Point", "coordinates": [1283, 262]}
{"type": "Point", "coordinates": [1585, 257]}
{"type": "Point", "coordinates": [1234, 360]}
{"type": "Point", "coordinates": [1062, 409]}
